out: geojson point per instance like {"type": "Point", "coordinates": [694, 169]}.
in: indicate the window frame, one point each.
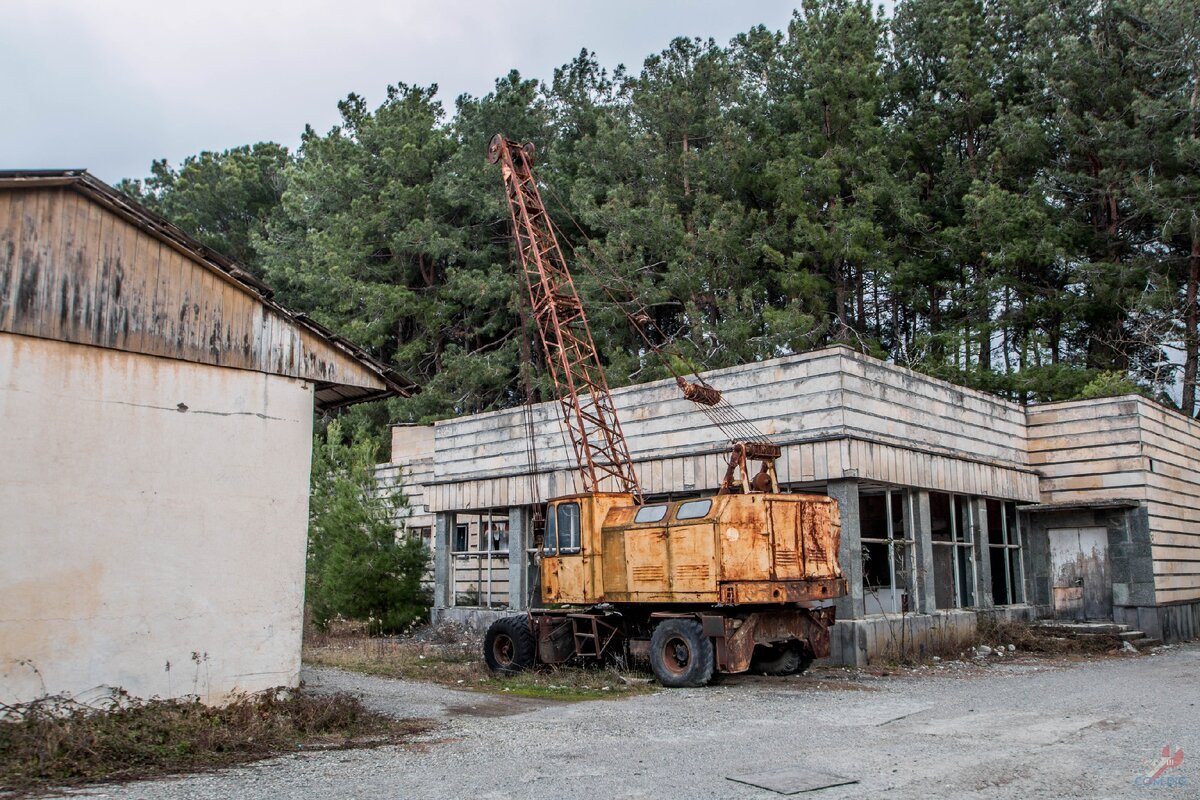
{"type": "Point", "coordinates": [578, 528]}
{"type": "Point", "coordinates": [905, 543]}
{"type": "Point", "coordinates": [1011, 546]}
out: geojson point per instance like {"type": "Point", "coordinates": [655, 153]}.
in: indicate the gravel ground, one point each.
{"type": "Point", "coordinates": [1011, 729]}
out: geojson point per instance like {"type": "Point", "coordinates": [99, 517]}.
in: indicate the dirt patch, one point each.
{"type": "Point", "coordinates": [500, 706]}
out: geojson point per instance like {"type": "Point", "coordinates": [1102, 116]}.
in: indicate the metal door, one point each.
{"type": "Point", "coordinates": [1080, 574]}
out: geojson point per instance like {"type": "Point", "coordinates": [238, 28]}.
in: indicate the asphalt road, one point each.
{"type": "Point", "coordinates": [1011, 729]}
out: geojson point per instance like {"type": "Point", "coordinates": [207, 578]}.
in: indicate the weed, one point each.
{"type": "Point", "coordinates": [56, 742]}
{"type": "Point", "coordinates": [458, 663]}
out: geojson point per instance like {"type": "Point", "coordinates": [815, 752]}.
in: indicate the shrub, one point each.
{"type": "Point", "coordinates": [361, 565]}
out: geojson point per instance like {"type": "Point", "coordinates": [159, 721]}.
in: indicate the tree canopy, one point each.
{"type": "Point", "coordinates": [1000, 192]}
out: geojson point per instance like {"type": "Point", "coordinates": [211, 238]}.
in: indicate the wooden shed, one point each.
{"type": "Point", "coordinates": [156, 410]}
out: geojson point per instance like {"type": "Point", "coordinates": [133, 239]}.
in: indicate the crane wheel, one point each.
{"type": "Point", "coordinates": [509, 646]}
{"type": "Point", "coordinates": [787, 658]}
{"type": "Point", "coordinates": [680, 653]}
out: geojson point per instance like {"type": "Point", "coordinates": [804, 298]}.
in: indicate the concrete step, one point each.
{"type": "Point", "coordinates": [1062, 628]}
{"type": "Point", "coordinates": [1146, 641]}
{"type": "Point", "coordinates": [1130, 636]}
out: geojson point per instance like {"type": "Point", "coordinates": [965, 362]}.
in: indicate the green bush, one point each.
{"type": "Point", "coordinates": [361, 565]}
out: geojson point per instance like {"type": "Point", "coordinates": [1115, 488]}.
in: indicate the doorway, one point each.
{"type": "Point", "coordinates": [1079, 573]}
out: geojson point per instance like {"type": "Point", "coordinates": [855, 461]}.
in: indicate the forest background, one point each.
{"type": "Point", "coordinates": [1001, 193]}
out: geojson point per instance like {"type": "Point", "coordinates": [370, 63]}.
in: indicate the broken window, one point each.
{"type": "Point", "coordinates": [1004, 553]}
{"type": "Point", "coordinates": [423, 534]}
{"type": "Point", "coordinates": [479, 560]}
{"type": "Point", "coordinates": [952, 528]}
{"type": "Point", "coordinates": [886, 550]}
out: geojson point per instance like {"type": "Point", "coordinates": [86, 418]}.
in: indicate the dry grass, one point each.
{"type": "Point", "coordinates": [1028, 639]}
{"type": "Point", "coordinates": [55, 742]}
{"type": "Point", "coordinates": [452, 657]}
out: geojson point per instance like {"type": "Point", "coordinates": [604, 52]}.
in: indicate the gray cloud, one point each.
{"type": "Point", "coordinates": [112, 85]}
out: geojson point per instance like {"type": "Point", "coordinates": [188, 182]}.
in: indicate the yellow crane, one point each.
{"type": "Point", "coordinates": [743, 578]}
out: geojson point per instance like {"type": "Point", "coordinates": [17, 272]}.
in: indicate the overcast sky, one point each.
{"type": "Point", "coordinates": [112, 84]}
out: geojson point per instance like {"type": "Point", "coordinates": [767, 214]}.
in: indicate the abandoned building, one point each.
{"type": "Point", "coordinates": [156, 411]}
{"type": "Point", "coordinates": [954, 502]}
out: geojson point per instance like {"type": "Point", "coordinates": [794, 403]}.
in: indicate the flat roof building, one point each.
{"type": "Point", "coordinates": [954, 502]}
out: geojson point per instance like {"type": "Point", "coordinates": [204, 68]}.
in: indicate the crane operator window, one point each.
{"type": "Point", "coordinates": [562, 530]}
{"type": "Point", "coordinates": [694, 509]}
{"type": "Point", "coordinates": [650, 514]}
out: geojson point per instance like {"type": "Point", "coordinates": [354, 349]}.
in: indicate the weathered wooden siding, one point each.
{"type": "Point", "coordinates": [1171, 445]}
{"type": "Point", "coordinates": [72, 270]}
{"type": "Point", "coordinates": [1088, 451]}
{"type": "Point", "coordinates": [412, 478]}
{"type": "Point", "coordinates": [838, 414]}
{"type": "Point", "coordinates": [1128, 448]}
{"type": "Point", "coordinates": [892, 405]}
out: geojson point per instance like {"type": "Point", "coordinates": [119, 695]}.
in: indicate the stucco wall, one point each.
{"type": "Point", "coordinates": [152, 533]}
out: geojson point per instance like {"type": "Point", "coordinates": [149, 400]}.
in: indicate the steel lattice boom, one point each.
{"type": "Point", "coordinates": [583, 394]}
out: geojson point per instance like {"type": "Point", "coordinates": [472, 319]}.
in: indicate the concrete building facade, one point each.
{"type": "Point", "coordinates": [954, 502]}
{"type": "Point", "coordinates": [156, 410]}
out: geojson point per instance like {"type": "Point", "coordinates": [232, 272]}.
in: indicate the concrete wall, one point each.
{"type": "Point", "coordinates": [153, 526]}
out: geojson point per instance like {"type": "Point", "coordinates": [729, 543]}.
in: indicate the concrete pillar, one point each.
{"type": "Point", "coordinates": [443, 533]}
{"type": "Point", "coordinates": [983, 557]}
{"type": "Point", "coordinates": [926, 600]}
{"type": "Point", "coordinates": [850, 550]}
{"type": "Point", "coordinates": [520, 538]}
{"type": "Point", "coordinates": [910, 562]}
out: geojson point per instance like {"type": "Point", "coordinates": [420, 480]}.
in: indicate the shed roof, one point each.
{"type": "Point", "coordinates": [66, 274]}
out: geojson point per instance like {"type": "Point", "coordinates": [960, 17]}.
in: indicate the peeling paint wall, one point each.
{"type": "Point", "coordinates": [153, 524]}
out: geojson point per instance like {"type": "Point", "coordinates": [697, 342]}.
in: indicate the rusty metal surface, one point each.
{"type": "Point", "coordinates": [763, 592]}
{"type": "Point", "coordinates": [736, 649]}
{"type": "Point", "coordinates": [702, 395]}
{"type": "Point", "coordinates": [563, 635]}
{"type": "Point", "coordinates": [555, 642]}
{"type": "Point", "coordinates": [578, 578]}
{"type": "Point", "coordinates": [748, 549]}
{"type": "Point", "coordinates": [82, 263]}
{"type": "Point", "coordinates": [580, 384]}
{"type": "Point", "coordinates": [737, 474]}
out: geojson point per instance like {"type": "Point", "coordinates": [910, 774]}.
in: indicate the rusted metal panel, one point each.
{"type": "Point", "coordinates": [693, 567]}
{"type": "Point", "coordinates": [734, 652]}
{"type": "Point", "coordinates": [745, 540]}
{"type": "Point", "coordinates": [745, 549]}
{"type": "Point", "coordinates": [753, 592]}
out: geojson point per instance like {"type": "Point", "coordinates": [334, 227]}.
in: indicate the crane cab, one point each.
{"type": "Point", "coordinates": [731, 549]}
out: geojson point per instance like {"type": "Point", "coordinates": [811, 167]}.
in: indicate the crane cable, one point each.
{"type": "Point", "coordinates": [707, 398]}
